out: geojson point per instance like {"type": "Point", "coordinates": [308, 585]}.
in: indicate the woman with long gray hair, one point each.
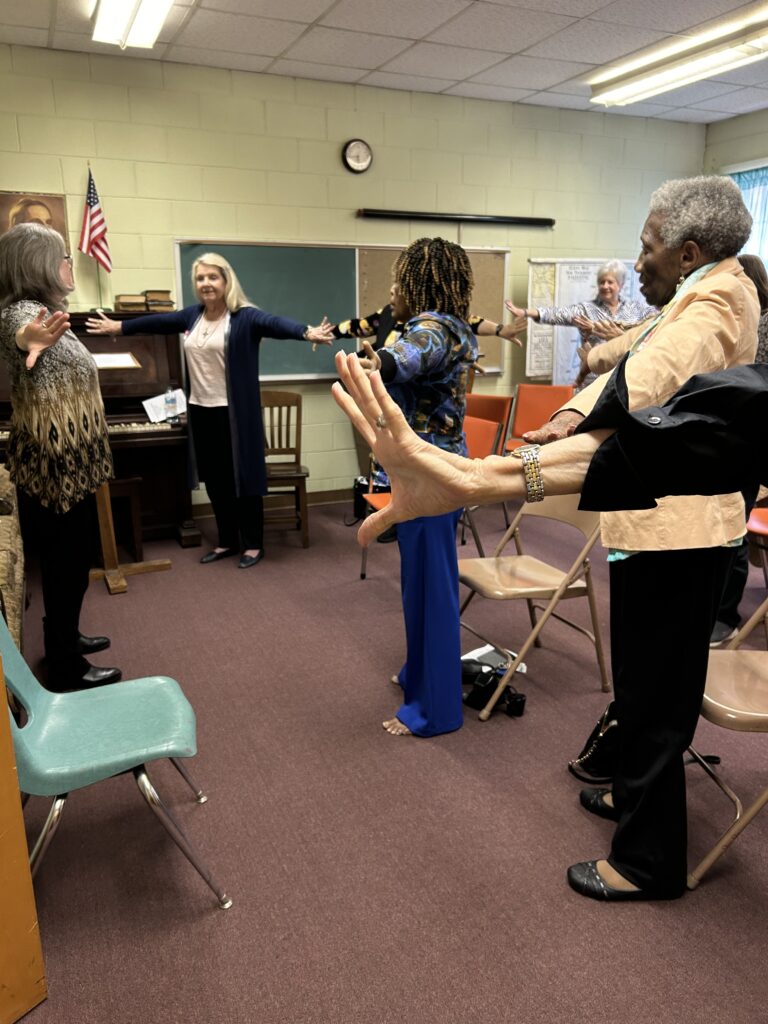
{"type": "Point", "coordinates": [58, 447]}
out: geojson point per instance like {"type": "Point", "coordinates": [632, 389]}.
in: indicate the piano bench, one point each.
{"type": "Point", "coordinates": [130, 488]}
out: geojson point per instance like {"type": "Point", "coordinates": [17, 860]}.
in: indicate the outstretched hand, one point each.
{"type": "Point", "coordinates": [562, 425]}
{"type": "Point", "coordinates": [322, 334]}
{"type": "Point", "coordinates": [103, 325]}
{"type": "Point", "coordinates": [425, 480]}
{"type": "Point", "coordinates": [39, 334]}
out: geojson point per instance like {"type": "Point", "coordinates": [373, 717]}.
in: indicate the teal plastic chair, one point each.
{"type": "Point", "coordinates": [71, 740]}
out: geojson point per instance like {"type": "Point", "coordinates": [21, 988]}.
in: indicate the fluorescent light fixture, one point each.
{"type": "Point", "coordinates": [731, 45]}
{"type": "Point", "coordinates": [130, 22]}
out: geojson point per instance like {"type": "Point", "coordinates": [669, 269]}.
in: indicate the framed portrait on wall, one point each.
{"type": "Point", "coordinates": [40, 207]}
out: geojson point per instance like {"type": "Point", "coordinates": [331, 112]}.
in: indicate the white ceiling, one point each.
{"type": "Point", "coordinates": [529, 51]}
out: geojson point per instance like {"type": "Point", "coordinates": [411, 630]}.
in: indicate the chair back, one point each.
{"type": "Point", "coordinates": [534, 405]}
{"type": "Point", "coordinates": [19, 678]}
{"type": "Point", "coordinates": [563, 508]}
{"type": "Point", "coordinates": [282, 425]}
{"type": "Point", "coordinates": [482, 436]}
{"type": "Point", "coordinates": [496, 408]}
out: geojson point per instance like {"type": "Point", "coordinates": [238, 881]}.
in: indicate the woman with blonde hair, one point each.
{"type": "Point", "coordinates": [222, 332]}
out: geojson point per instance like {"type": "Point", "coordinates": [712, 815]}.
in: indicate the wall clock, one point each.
{"type": "Point", "coordinates": [357, 156]}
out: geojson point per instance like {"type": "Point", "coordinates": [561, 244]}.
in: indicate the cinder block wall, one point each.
{"type": "Point", "coordinates": [180, 151]}
{"type": "Point", "coordinates": [737, 140]}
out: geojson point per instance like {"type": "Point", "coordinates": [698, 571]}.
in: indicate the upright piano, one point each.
{"type": "Point", "coordinates": [154, 452]}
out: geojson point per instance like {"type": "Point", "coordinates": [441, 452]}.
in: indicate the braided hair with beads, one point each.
{"type": "Point", "coordinates": [435, 275]}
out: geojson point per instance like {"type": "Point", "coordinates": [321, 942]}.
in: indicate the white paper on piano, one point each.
{"type": "Point", "coordinates": [155, 407]}
{"type": "Point", "coordinates": [115, 360]}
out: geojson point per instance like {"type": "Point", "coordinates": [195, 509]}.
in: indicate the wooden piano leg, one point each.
{"type": "Point", "coordinates": [113, 576]}
{"type": "Point", "coordinates": [113, 572]}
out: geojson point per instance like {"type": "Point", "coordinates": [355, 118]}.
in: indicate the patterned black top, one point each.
{"type": "Point", "coordinates": [58, 448]}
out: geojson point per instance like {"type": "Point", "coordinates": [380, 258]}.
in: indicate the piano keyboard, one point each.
{"type": "Point", "coordinates": [135, 428]}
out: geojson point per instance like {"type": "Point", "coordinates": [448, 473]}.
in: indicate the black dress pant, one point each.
{"type": "Point", "coordinates": [239, 518]}
{"type": "Point", "coordinates": [663, 608]}
{"type": "Point", "coordinates": [64, 545]}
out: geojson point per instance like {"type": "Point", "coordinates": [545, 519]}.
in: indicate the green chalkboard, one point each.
{"type": "Point", "coordinates": [302, 282]}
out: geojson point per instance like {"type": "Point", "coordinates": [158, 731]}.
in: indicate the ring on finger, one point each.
{"type": "Point", "coordinates": [380, 421]}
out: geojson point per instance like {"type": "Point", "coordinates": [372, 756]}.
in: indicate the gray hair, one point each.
{"type": "Point", "coordinates": [614, 267]}
{"type": "Point", "coordinates": [30, 266]}
{"type": "Point", "coordinates": [708, 210]}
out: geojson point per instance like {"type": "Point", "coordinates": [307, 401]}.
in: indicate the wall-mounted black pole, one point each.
{"type": "Point", "coordinates": [473, 218]}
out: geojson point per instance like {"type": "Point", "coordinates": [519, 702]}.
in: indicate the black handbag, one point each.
{"type": "Point", "coordinates": [483, 679]}
{"type": "Point", "coordinates": [597, 760]}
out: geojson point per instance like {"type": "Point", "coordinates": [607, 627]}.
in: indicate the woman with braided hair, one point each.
{"type": "Point", "coordinates": [426, 372]}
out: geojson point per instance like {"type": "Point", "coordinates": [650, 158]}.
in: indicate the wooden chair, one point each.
{"type": "Point", "coordinates": [282, 442]}
{"type": "Point", "coordinates": [736, 698]}
{"type": "Point", "coordinates": [534, 404]}
{"type": "Point", "coordinates": [523, 577]}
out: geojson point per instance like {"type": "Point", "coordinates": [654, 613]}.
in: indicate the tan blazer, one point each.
{"type": "Point", "coordinates": [712, 326]}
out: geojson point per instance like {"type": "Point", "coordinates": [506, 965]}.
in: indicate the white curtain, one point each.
{"type": "Point", "coordinates": [754, 187]}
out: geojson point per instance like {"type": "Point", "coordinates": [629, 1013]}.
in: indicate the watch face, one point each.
{"type": "Point", "coordinates": [357, 155]}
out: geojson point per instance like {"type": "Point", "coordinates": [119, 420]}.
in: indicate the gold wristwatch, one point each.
{"type": "Point", "coordinates": [534, 485]}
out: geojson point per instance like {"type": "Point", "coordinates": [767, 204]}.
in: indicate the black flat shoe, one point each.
{"type": "Point", "coordinates": [95, 676]}
{"type": "Point", "coordinates": [593, 800]}
{"type": "Point", "coordinates": [246, 561]}
{"type": "Point", "coordinates": [92, 644]}
{"type": "Point", "coordinates": [584, 878]}
{"type": "Point", "coordinates": [214, 556]}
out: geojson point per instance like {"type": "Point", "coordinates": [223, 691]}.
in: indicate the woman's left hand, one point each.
{"type": "Point", "coordinates": [39, 334]}
{"type": "Point", "coordinates": [322, 334]}
{"type": "Point", "coordinates": [371, 361]}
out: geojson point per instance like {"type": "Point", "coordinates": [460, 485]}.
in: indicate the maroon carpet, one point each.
{"type": "Point", "coordinates": [376, 879]}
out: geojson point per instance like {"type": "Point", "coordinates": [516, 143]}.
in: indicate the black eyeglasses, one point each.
{"type": "Point", "coordinates": [68, 258]}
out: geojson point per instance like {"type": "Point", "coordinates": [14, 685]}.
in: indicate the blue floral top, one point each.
{"type": "Point", "coordinates": [432, 363]}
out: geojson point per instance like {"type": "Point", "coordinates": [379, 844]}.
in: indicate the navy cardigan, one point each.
{"type": "Point", "coordinates": [241, 358]}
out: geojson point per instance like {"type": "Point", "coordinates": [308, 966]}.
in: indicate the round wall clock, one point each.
{"type": "Point", "coordinates": [357, 156]}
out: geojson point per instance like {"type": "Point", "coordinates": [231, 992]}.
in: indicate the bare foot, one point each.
{"type": "Point", "coordinates": [251, 552]}
{"type": "Point", "coordinates": [396, 728]}
{"type": "Point", "coordinates": [612, 877]}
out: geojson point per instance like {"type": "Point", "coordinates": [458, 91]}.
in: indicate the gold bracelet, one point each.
{"type": "Point", "coordinates": [534, 484]}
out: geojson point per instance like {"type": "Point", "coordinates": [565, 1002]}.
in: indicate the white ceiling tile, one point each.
{"type": "Point", "coordinates": [752, 74]}
{"type": "Point", "coordinates": [595, 42]}
{"type": "Point", "coordinates": [693, 116]}
{"type": "Point", "coordinates": [402, 18]}
{"type": "Point", "coordinates": [335, 46]}
{"type": "Point", "coordinates": [489, 27]}
{"type": "Point", "coordinates": [217, 58]}
{"type": "Point", "coordinates": [84, 44]}
{"type": "Point", "coordinates": [321, 72]}
{"type": "Point", "coordinates": [23, 36]}
{"type": "Point", "coordinates": [557, 99]}
{"type": "Point", "coordinates": [663, 15]}
{"type": "Point", "coordinates": [476, 91]}
{"type": "Point", "coordinates": [522, 72]}
{"type": "Point", "coordinates": [414, 83]}
{"type": "Point", "coordinates": [738, 102]}
{"type": "Point", "coordinates": [29, 14]}
{"type": "Point", "coordinates": [237, 34]}
{"type": "Point", "coordinates": [571, 8]}
{"type": "Point", "coordinates": [289, 10]}
{"type": "Point", "coordinates": [73, 16]}
{"type": "Point", "coordinates": [577, 86]}
{"type": "Point", "coordinates": [176, 18]}
{"type": "Point", "coordinates": [650, 108]}
{"type": "Point", "coordinates": [435, 61]}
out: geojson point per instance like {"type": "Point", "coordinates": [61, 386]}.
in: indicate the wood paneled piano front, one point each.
{"type": "Point", "coordinates": [154, 452]}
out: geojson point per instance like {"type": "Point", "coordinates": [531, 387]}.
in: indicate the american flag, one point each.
{"type": "Point", "coordinates": [93, 236]}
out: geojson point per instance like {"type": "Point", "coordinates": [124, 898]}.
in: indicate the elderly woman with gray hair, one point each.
{"type": "Point", "coordinates": [606, 316]}
{"type": "Point", "coordinates": [668, 561]}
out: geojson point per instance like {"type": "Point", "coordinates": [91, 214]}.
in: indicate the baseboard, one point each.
{"type": "Point", "coordinates": [276, 501]}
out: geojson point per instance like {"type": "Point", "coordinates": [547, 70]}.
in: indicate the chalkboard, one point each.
{"type": "Point", "coordinates": [302, 282]}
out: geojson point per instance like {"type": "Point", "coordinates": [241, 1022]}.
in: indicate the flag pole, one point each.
{"type": "Point", "coordinates": [98, 282]}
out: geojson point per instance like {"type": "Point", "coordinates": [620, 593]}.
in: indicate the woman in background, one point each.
{"type": "Point", "coordinates": [604, 317]}
{"type": "Point", "coordinates": [58, 447]}
{"type": "Point", "coordinates": [222, 333]}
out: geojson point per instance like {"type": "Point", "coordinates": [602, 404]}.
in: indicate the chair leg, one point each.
{"type": "Point", "coordinates": [604, 680]}
{"type": "Point", "coordinates": [177, 834]}
{"type": "Point", "coordinates": [48, 832]}
{"type": "Point", "coordinates": [734, 830]}
{"type": "Point", "coordinates": [304, 515]}
{"type": "Point", "coordinates": [182, 770]}
{"type": "Point", "coordinates": [468, 520]}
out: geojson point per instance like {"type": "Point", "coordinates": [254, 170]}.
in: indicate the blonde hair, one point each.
{"type": "Point", "coordinates": [234, 297]}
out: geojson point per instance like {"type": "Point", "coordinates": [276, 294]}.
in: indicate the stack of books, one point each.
{"type": "Point", "coordinates": [125, 303]}
{"type": "Point", "coordinates": [158, 300]}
